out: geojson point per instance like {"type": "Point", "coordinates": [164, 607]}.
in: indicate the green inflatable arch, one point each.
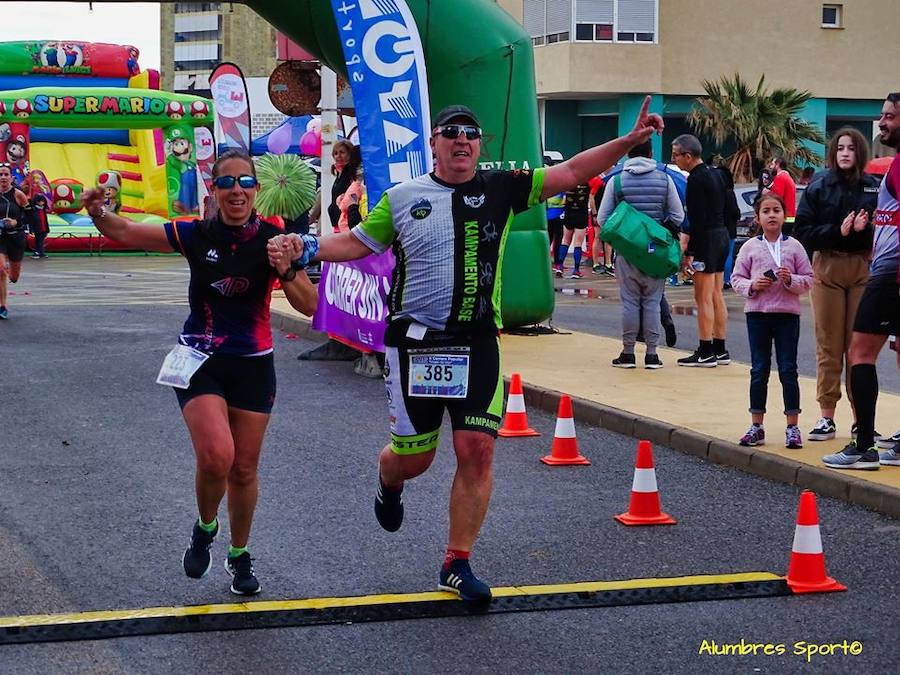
{"type": "Point", "coordinates": [478, 55]}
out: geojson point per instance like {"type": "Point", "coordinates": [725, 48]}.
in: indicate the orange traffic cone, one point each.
{"type": "Point", "coordinates": [644, 507]}
{"type": "Point", "coordinates": [806, 573]}
{"type": "Point", "coordinates": [565, 446]}
{"type": "Point", "coordinates": [516, 421]}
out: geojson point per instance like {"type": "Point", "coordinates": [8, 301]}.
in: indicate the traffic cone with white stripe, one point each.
{"type": "Point", "coordinates": [644, 507]}
{"type": "Point", "coordinates": [806, 573]}
{"type": "Point", "coordinates": [515, 423]}
{"type": "Point", "coordinates": [565, 446]}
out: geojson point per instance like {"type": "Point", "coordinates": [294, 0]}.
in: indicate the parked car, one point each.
{"type": "Point", "coordinates": [746, 227]}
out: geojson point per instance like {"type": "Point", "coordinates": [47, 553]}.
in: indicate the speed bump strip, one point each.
{"type": "Point", "coordinates": [323, 611]}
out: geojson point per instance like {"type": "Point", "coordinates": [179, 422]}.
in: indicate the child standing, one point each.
{"type": "Point", "coordinates": [772, 271]}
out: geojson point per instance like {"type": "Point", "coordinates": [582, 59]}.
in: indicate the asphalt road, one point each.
{"type": "Point", "coordinates": [96, 504]}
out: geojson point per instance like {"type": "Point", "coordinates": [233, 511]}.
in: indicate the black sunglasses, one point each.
{"type": "Point", "coordinates": [452, 131]}
{"type": "Point", "coordinates": [227, 182]}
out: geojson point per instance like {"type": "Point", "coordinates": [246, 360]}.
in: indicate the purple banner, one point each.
{"type": "Point", "coordinates": [352, 300]}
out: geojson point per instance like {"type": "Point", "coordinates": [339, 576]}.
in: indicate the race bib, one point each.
{"type": "Point", "coordinates": [179, 366]}
{"type": "Point", "coordinates": [438, 373]}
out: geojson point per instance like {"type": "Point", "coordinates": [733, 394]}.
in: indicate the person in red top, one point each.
{"type": "Point", "coordinates": [783, 186]}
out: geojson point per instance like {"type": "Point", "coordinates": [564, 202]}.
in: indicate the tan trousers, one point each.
{"type": "Point", "coordinates": [838, 285]}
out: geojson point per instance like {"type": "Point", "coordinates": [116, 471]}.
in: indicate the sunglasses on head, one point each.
{"type": "Point", "coordinates": [452, 131]}
{"type": "Point", "coordinates": [227, 182]}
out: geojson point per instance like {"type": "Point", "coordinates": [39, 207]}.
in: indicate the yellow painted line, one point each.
{"type": "Point", "coordinates": [371, 600]}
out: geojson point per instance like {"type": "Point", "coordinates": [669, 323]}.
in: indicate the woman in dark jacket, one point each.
{"type": "Point", "coordinates": [347, 160]}
{"type": "Point", "coordinates": [841, 246]}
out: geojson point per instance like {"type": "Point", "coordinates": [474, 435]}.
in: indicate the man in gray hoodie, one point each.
{"type": "Point", "coordinates": [652, 192]}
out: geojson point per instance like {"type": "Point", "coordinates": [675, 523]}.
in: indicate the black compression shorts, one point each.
{"type": "Point", "coordinates": [415, 419]}
{"type": "Point", "coordinates": [12, 244]}
{"type": "Point", "coordinates": [245, 382]}
{"type": "Point", "coordinates": [879, 308]}
{"type": "Point", "coordinates": [712, 249]}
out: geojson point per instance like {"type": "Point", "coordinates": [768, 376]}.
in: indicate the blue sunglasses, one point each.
{"type": "Point", "coordinates": [227, 182]}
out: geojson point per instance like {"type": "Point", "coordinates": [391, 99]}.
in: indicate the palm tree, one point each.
{"type": "Point", "coordinates": [761, 123]}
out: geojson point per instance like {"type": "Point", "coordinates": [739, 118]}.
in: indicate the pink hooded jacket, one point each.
{"type": "Point", "coordinates": [752, 262]}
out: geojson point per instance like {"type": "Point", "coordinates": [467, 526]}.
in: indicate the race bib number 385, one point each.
{"type": "Point", "coordinates": [179, 366]}
{"type": "Point", "coordinates": [438, 374]}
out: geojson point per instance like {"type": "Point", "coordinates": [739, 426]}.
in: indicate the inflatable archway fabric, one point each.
{"type": "Point", "coordinates": [477, 55]}
{"type": "Point", "coordinates": [112, 108]}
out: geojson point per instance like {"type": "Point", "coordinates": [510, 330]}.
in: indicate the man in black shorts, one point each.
{"type": "Point", "coordinates": [442, 345]}
{"type": "Point", "coordinates": [706, 249]}
{"type": "Point", "coordinates": [879, 309]}
{"type": "Point", "coordinates": [14, 212]}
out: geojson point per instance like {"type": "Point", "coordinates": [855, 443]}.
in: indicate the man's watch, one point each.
{"type": "Point", "coordinates": [290, 275]}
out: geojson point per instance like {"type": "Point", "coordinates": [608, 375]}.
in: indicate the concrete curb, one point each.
{"type": "Point", "coordinates": [873, 496]}
{"type": "Point", "coordinates": [828, 482]}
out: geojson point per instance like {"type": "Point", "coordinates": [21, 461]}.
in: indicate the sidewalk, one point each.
{"type": "Point", "coordinates": [694, 410]}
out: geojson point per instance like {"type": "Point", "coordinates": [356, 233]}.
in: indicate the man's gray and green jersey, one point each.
{"type": "Point", "coordinates": [448, 241]}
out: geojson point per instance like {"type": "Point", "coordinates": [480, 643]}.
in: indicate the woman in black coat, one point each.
{"type": "Point", "coordinates": [831, 225]}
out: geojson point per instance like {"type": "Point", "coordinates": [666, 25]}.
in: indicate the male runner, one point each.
{"type": "Point", "coordinates": [15, 209]}
{"type": "Point", "coordinates": [447, 230]}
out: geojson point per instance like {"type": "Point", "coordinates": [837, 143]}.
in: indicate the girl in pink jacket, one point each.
{"type": "Point", "coordinates": [772, 271]}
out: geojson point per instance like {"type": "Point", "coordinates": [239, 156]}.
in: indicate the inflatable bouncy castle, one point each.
{"type": "Point", "coordinates": [75, 115]}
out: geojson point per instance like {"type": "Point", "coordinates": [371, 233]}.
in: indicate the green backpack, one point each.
{"type": "Point", "coordinates": [642, 241]}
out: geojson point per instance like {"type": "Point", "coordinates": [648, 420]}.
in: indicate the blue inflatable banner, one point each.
{"type": "Point", "coordinates": [386, 69]}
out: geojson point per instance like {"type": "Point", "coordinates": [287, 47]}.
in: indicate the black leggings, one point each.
{"type": "Point", "coordinates": [555, 231]}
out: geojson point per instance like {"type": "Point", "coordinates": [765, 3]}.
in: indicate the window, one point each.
{"type": "Point", "coordinates": [831, 16]}
{"type": "Point", "coordinates": [550, 21]}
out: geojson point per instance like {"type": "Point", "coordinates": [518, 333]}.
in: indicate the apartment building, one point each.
{"type": "Point", "coordinates": [595, 58]}
{"type": "Point", "coordinates": [196, 36]}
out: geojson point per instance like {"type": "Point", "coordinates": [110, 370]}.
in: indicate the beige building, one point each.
{"type": "Point", "coordinates": [594, 58]}
{"type": "Point", "coordinates": [197, 36]}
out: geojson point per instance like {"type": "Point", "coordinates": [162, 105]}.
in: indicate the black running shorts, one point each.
{"type": "Point", "coordinates": [12, 245]}
{"type": "Point", "coordinates": [416, 419]}
{"type": "Point", "coordinates": [712, 249]}
{"type": "Point", "coordinates": [879, 308]}
{"type": "Point", "coordinates": [245, 382]}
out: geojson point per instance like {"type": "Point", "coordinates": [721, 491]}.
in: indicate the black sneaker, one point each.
{"type": "Point", "coordinates": [243, 580]}
{"type": "Point", "coordinates": [624, 360]}
{"type": "Point", "coordinates": [695, 360]}
{"type": "Point", "coordinates": [389, 507]}
{"type": "Point", "coordinates": [4, 313]}
{"type": "Point", "coordinates": [652, 362]}
{"type": "Point", "coordinates": [459, 579]}
{"type": "Point", "coordinates": [196, 559]}
{"type": "Point", "coordinates": [671, 336]}
{"type": "Point", "coordinates": [723, 359]}
{"type": "Point", "coordinates": [824, 430]}
{"type": "Point", "coordinates": [875, 436]}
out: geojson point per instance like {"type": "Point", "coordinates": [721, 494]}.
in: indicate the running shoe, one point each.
{"type": "Point", "coordinates": [598, 269]}
{"type": "Point", "coordinates": [851, 458]}
{"type": "Point", "coordinates": [610, 270]}
{"type": "Point", "coordinates": [196, 559]}
{"type": "Point", "coordinates": [695, 360]}
{"type": "Point", "coordinates": [458, 578]}
{"type": "Point", "coordinates": [889, 442]}
{"type": "Point", "coordinates": [558, 270]}
{"type": "Point", "coordinates": [755, 435]}
{"type": "Point", "coordinates": [36, 256]}
{"type": "Point", "coordinates": [824, 430]}
{"type": "Point", "coordinates": [652, 362]}
{"type": "Point", "coordinates": [243, 580]}
{"type": "Point", "coordinates": [4, 313]}
{"type": "Point", "coordinates": [876, 436]}
{"type": "Point", "coordinates": [723, 359]}
{"type": "Point", "coordinates": [576, 274]}
{"type": "Point", "coordinates": [792, 438]}
{"type": "Point", "coordinates": [624, 360]}
{"type": "Point", "coordinates": [890, 457]}
{"type": "Point", "coordinates": [389, 507]}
